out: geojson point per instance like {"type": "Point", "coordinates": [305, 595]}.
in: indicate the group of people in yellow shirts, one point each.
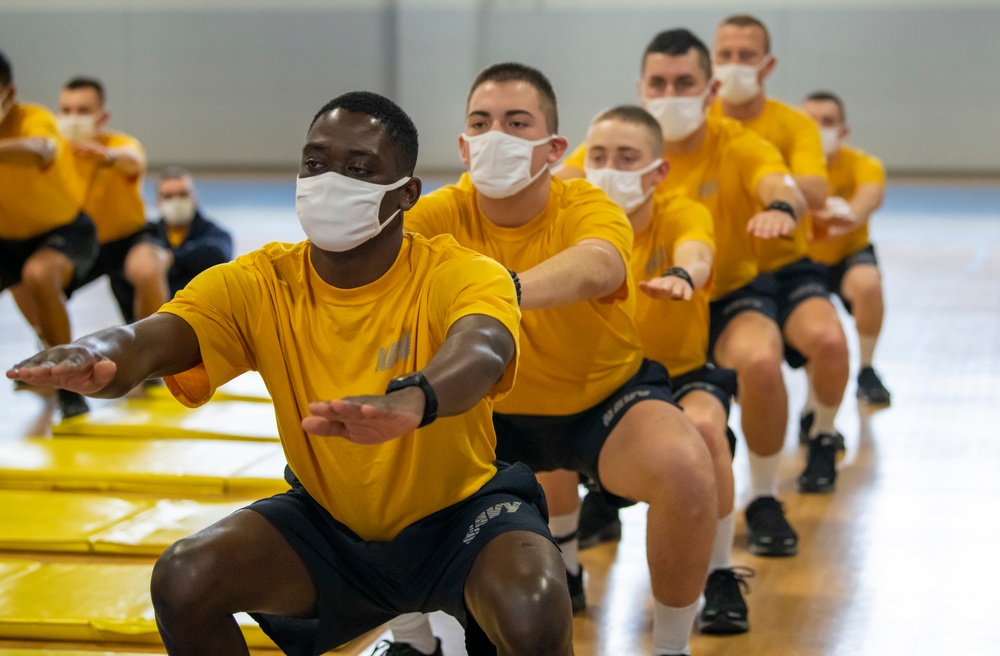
{"type": "Point", "coordinates": [532, 319]}
{"type": "Point", "coordinates": [71, 211]}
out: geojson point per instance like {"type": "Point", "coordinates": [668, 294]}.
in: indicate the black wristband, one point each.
{"type": "Point", "coordinates": [678, 272]}
{"type": "Point", "coordinates": [517, 285]}
{"type": "Point", "coordinates": [417, 379]}
{"type": "Point", "coordinates": [782, 206]}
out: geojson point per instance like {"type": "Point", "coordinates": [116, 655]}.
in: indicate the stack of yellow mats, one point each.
{"type": "Point", "coordinates": [171, 467]}
{"type": "Point", "coordinates": [61, 652]}
{"type": "Point", "coordinates": [166, 418]}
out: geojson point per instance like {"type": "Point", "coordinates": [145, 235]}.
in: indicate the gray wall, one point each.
{"type": "Point", "coordinates": [233, 83]}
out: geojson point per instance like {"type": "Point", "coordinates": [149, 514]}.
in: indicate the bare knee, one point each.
{"type": "Point", "coordinates": [145, 266]}
{"type": "Point", "coordinates": [46, 275]}
{"type": "Point", "coordinates": [184, 580]}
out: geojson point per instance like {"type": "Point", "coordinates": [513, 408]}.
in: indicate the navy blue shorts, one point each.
{"type": "Point", "coordinates": [835, 274]}
{"type": "Point", "coordinates": [790, 286]}
{"type": "Point", "coordinates": [363, 584]}
{"type": "Point", "coordinates": [756, 296]}
{"type": "Point", "coordinates": [77, 240]}
{"type": "Point", "coordinates": [717, 381]}
{"type": "Point", "coordinates": [574, 442]}
{"type": "Point", "coordinates": [110, 262]}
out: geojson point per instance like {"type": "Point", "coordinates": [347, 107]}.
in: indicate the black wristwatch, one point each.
{"type": "Point", "coordinates": [679, 272]}
{"type": "Point", "coordinates": [782, 206]}
{"type": "Point", "coordinates": [417, 379]}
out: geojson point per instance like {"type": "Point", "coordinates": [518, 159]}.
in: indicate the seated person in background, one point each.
{"type": "Point", "coordinates": [672, 262]}
{"type": "Point", "coordinates": [840, 236]}
{"type": "Point", "coordinates": [196, 242]}
{"type": "Point", "coordinates": [46, 243]}
{"type": "Point", "coordinates": [109, 169]}
{"type": "Point", "coordinates": [396, 502]}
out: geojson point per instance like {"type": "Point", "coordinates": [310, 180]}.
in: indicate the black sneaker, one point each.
{"type": "Point", "coordinates": [577, 595]}
{"type": "Point", "coordinates": [599, 521]}
{"type": "Point", "coordinates": [768, 532]}
{"type": "Point", "coordinates": [71, 404]}
{"type": "Point", "coordinates": [725, 612]}
{"type": "Point", "coordinates": [388, 648]}
{"type": "Point", "coordinates": [821, 472]}
{"type": "Point", "coordinates": [806, 420]}
{"type": "Point", "coordinates": [871, 390]}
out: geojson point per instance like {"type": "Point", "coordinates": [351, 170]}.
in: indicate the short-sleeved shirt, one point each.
{"type": "Point", "coordinates": [35, 200]}
{"type": "Point", "coordinates": [796, 137]}
{"type": "Point", "coordinates": [112, 200]}
{"type": "Point", "coordinates": [271, 312]}
{"type": "Point", "coordinates": [573, 356]}
{"type": "Point", "coordinates": [849, 169]}
{"type": "Point", "coordinates": [674, 333]}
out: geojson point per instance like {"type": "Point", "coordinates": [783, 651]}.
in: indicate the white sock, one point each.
{"type": "Point", "coordinates": [722, 546]}
{"type": "Point", "coordinates": [811, 400]}
{"type": "Point", "coordinates": [415, 630]}
{"type": "Point", "coordinates": [562, 526]}
{"type": "Point", "coordinates": [867, 344]}
{"type": "Point", "coordinates": [825, 415]}
{"type": "Point", "coordinates": [764, 475]}
{"type": "Point", "coordinates": [672, 628]}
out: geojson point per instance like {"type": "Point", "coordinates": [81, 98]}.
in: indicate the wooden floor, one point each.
{"type": "Point", "coordinates": [900, 559]}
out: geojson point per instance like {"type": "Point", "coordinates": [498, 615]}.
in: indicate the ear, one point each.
{"type": "Point", "coordinates": [410, 193]}
{"type": "Point", "coordinates": [713, 92]}
{"type": "Point", "coordinates": [103, 119]}
{"type": "Point", "coordinates": [558, 147]}
{"type": "Point", "coordinates": [661, 172]}
{"type": "Point", "coordinates": [844, 131]}
{"type": "Point", "coordinates": [765, 71]}
{"type": "Point", "coordinates": [463, 150]}
{"type": "Point", "coordinates": [638, 89]}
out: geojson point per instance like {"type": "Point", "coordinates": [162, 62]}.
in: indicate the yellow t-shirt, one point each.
{"type": "Point", "coordinates": [270, 311]}
{"type": "Point", "coordinates": [849, 169]}
{"type": "Point", "coordinates": [112, 200]}
{"type": "Point", "coordinates": [572, 357]}
{"type": "Point", "coordinates": [674, 333]}
{"type": "Point", "coordinates": [797, 138]}
{"type": "Point", "coordinates": [34, 201]}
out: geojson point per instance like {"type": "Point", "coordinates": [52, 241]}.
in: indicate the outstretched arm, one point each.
{"type": "Point", "coordinates": [27, 151]}
{"type": "Point", "coordinates": [695, 258]}
{"type": "Point", "coordinates": [469, 363]}
{"type": "Point", "coordinates": [776, 223]}
{"type": "Point", "coordinates": [592, 268]}
{"type": "Point", "coordinates": [109, 363]}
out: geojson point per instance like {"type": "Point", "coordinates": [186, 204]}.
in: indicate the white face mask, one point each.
{"type": "Point", "coordinates": [678, 116]}
{"type": "Point", "coordinates": [177, 211]}
{"type": "Point", "coordinates": [739, 81]}
{"type": "Point", "coordinates": [623, 187]}
{"type": "Point", "coordinates": [830, 137]}
{"type": "Point", "coordinates": [339, 213]}
{"type": "Point", "coordinates": [500, 164]}
{"type": "Point", "coordinates": [77, 127]}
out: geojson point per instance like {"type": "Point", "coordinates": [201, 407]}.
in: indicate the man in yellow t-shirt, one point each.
{"type": "Point", "coordinates": [809, 322]}
{"type": "Point", "coordinates": [841, 240]}
{"type": "Point", "coordinates": [586, 401]}
{"type": "Point", "coordinates": [46, 243]}
{"type": "Point", "coordinates": [742, 180]}
{"type": "Point", "coordinates": [396, 503]}
{"type": "Point", "coordinates": [672, 262]}
{"type": "Point", "coordinates": [109, 167]}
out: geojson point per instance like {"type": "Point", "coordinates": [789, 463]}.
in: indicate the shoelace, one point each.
{"type": "Point", "coordinates": [741, 573]}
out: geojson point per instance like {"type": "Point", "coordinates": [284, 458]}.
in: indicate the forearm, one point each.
{"type": "Point", "coordinates": [782, 187]}
{"type": "Point", "coordinates": [867, 198]}
{"type": "Point", "coordinates": [126, 161]}
{"type": "Point", "coordinates": [27, 151]}
{"type": "Point", "coordinates": [696, 258]}
{"type": "Point", "coordinates": [814, 189]}
{"type": "Point", "coordinates": [591, 269]}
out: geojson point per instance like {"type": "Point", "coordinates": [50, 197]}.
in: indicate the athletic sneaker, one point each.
{"type": "Point", "coordinates": [768, 532]}
{"type": "Point", "coordinates": [871, 390]}
{"type": "Point", "coordinates": [577, 595]}
{"type": "Point", "coordinates": [806, 420]}
{"type": "Point", "coordinates": [821, 472]}
{"type": "Point", "coordinates": [599, 521]}
{"type": "Point", "coordinates": [71, 404]}
{"type": "Point", "coordinates": [387, 648]}
{"type": "Point", "coordinates": [725, 612]}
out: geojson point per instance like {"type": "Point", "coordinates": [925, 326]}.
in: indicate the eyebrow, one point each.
{"type": "Point", "coordinates": [508, 113]}
{"type": "Point", "coordinates": [321, 145]}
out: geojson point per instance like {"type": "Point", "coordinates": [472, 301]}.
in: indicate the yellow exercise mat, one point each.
{"type": "Point", "coordinates": [161, 418]}
{"type": "Point", "coordinates": [245, 387]}
{"type": "Point", "coordinates": [66, 652]}
{"type": "Point", "coordinates": [87, 602]}
{"type": "Point", "coordinates": [259, 475]}
{"type": "Point", "coordinates": [174, 467]}
{"type": "Point", "coordinates": [44, 520]}
{"type": "Point", "coordinates": [153, 530]}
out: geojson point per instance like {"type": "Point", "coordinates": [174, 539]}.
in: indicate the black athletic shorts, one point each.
{"type": "Point", "coordinates": [77, 240]}
{"type": "Point", "coordinates": [717, 381]}
{"type": "Point", "coordinates": [574, 442]}
{"type": "Point", "coordinates": [363, 584]}
{"type": "Point", "coordinates": [111, 263]}
{"type": "Point", "coordinates": [790, 286]}
{"type": "Point", "coordinates": [835, 274]}
{"type": "Point", "coordinates": [756, 296]}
